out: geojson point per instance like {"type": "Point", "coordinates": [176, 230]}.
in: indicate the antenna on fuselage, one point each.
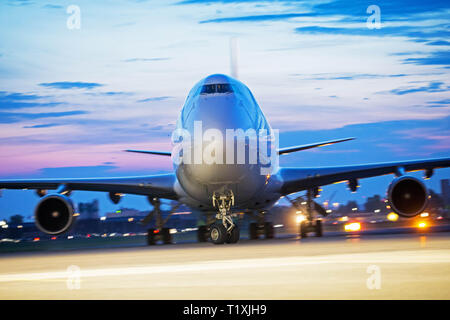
{"type": "Point", "coordinates": [234, 57]}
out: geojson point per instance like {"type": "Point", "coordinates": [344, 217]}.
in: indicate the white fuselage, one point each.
{"type": "Point", "coordinates": [214, 129]}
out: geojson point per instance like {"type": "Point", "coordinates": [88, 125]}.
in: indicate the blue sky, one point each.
{"type": "Point", "coordinates": [71, 100]}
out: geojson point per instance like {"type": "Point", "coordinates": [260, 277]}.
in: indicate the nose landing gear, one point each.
{"type": "Point", "coordinates": [224, 229]}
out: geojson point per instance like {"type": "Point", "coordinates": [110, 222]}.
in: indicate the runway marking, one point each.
{"type": "Point", "coordinates": [406, 257]}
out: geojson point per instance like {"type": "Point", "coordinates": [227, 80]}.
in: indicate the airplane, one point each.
{"type": "Point", "coordinates": [220, 186]}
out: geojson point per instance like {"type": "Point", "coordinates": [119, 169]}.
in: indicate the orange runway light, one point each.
{"type": "Point", "coordinates": [421, 225]}
{"type": "Point", "coordinates": [352, 227]}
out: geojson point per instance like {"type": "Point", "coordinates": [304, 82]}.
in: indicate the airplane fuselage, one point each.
{"type": "Point", "coordinates": [218, 151]}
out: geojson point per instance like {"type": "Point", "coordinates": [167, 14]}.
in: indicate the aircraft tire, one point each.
{"type": "Point", "coordinates": [218, 233]}
{"type": "Point", "coordinates": [233, 237]}
{"type": "Point", "coordinates": [303, 229]}
{"type": "Point", "coordinates": [253, 231]}
{"type": "Point", "coordinates": [151, 237]}
{"type": "Point", "coordinates": [268, 230]}
{"type": "Point", "coordinates": [202, 234]}
{"type": "Point", "coordinates": [166, 236]}
{"type": "Point", "coordinates": [319, 228]}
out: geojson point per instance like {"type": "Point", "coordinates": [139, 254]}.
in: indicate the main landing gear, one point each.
{"type": "Point", "coordinates": [159, 233]}
{"type": "Point", "coordinates": [261, 227]}
{"type": "Point", "coordinates": [224, 230]}
{"type": "Point", "coordinates": [311, 224]}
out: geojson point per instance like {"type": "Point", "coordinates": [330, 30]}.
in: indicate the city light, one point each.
{"type": "Point", "coordinates": [351, 227]}
{"type": "Point", "coordinates": [102, 218]}
{"type": "Point", "coordinates": [424, 214]}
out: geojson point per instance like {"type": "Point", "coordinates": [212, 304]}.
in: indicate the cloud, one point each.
{"type": "Point", "coordinates": [109, 93]}
{"type": "Point", "coordinates": [71, 85]}
{"type": "Point", "coordinates": [435, 58]}
{"type": "Point", "coordinates": [439, 103]}
{"type": "Point", "coordinates": [397, 31]}
{"type": "Point", "coordinates": [347, 76]}
{"type": "Point", "coordinates": [48, 125]}
{"type": "Point", "coordinates": [12, 117]}
{"type": "Point", "coordinates": [17, 100]}
{"type": "Point", "coordinates": [155, 99]}
{"type": "Point", "coordinates": [145, 59]}
{"type": "Point", "coordinates": [52, 6]}
{"type": "Point", "coordinates": [439, 43]}
{"type": "Point", "coordinates": [19, 3]}
{"type": "Point", "coordinates": [258, 18]}
{"type": "Point", "coordinates": [433, 86]}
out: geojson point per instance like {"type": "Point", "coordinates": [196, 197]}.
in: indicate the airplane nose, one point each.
{"type": "Point", "coordinates": [220, 112]}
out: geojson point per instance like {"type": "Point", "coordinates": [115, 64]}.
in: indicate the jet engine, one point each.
{"type": "Point", "coordinates": [54, 214]}
{"type": "Point", "coordinates": [407, 196]}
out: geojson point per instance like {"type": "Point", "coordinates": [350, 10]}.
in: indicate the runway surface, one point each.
{"type": "Point", "coordinates": [409, 266]}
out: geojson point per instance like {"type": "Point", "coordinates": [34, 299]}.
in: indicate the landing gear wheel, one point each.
{"type": "Point", "coordinates": [166, 236]}
{"type": "Point", "coordinates": [218, 233]}
{"type": "Point", "coordinates": [202, 235]}
{"type": "Point", "coordinates": [268, 230]}
{"type": "Point", "coordinates": [253, 231]}
{"type": "Point", "coordinates": [319, 228]}
{"type": "Point", "coordinates": [303, 229]}
{"type": "Point", "coordinates": [233, 236]}
{"type": "Point", "coordinates": [151, 237]}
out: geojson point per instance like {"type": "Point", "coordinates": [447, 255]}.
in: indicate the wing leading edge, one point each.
{"type": "Point", "coordinates": [298, 179]}
{"type": "Point", "coordinates": [161, 186]}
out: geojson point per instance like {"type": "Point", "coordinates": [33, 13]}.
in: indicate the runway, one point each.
{"type": "Point", "coordinates": [408, 266]}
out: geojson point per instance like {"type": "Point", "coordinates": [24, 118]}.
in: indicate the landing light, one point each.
{"type": "Point", "coordinates": [299, 218]}
{"type": "Point", "coordinates": [351, 227]}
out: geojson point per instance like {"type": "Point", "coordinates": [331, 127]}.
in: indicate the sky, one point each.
{"type": "Point", "coordinates": [72, 99]}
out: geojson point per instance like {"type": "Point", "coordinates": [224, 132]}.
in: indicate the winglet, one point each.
{"type": "Point", "coordinates": [310, 146]}
{"type": "Point", "coordinates": [160, 153]}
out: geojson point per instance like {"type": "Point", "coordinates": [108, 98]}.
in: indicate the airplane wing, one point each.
{"type": "Point", "coordinates": [161, 186]}
{"type": "Point", "coordinates": [299, 179]}
{"type": "Point", "coordinates": [159, 153]}
{"type": "Point", "coordinates": [287, 150]}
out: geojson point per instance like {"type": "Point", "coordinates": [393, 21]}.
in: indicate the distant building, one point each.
{"type": "Point", "coordinates": [88, 210]}
{"type": "Point", "coordinates": [126, 212]}
{"type": "Point", "coordinates": [445, 190]}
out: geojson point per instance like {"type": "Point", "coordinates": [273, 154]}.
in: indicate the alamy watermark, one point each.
{"type": "Point", "coordinates": [374, 280]}
{"type": "Point", "coordinates": [374, 20]}
{"type": "Point", "coordinates": [73, 281]}
{"type": "Point", "coordinates": [74, 20]}
{"type": "Point", "coordinates": [236, 147]}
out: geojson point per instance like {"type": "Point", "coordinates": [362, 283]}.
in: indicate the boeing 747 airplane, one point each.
{"type": "Point", "coordinates": [226, 161]}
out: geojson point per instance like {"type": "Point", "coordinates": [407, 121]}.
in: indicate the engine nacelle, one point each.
{"type": "Point", "coordinates": [54, 214]}
{"type": "Point", "coordinates": [407, 196]}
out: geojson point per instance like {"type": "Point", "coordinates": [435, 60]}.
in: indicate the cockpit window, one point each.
{"type": "Point", "coordinates": [216, 88]}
